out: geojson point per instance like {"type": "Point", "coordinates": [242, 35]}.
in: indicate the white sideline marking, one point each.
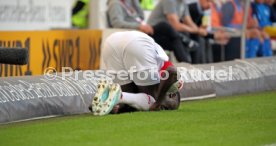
{"type": "Point", "coordinates": [37, 118]}
{"type": "Point", "coordinates": [198, 97]}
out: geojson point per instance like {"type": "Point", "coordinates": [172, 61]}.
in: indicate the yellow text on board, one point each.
{"type": "Point", "coordinates": [77, 49]}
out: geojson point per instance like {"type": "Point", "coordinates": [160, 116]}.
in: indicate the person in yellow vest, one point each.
{"type": "Point", "coordinates": [80, 14]}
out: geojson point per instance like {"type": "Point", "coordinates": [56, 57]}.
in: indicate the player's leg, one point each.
{"type": "Point", "coordinates": [106, 98]}
{"type": "Point", "coordinates": [132, 101]}
{"type": "Point", "coordinates": [139, 101]}
{"type": "Point", "coordinates": [107, 95]}
{"type": "Point", "coordinates": [130, 88]}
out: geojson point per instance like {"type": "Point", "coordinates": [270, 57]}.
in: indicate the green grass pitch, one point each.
{"type": "Point", "coordinates": [245, 120]}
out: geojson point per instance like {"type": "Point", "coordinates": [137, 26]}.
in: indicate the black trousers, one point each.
{"type": "Point", "coordinates": [199, 54]}
{"type": "Point", "coordinates": [169, 39]}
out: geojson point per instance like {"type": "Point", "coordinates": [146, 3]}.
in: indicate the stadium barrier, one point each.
{"type": "Point", "coordinates": [30, 97]}
{"type": "Point", "coordinates": [228, 78]}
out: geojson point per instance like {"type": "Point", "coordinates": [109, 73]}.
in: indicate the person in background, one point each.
{"type": "Point", "coordinates": [263, 13]}
{"type": "Point", "coordinates": [147, 4]}
{"type": "Point", "coordinates": [272, 5]}
{"type": "Point", "coordinates": [265, 16]}
{"type": "Point", "coordinates": [197, 14]}
{"type": "Point", "coordinates": [215, 13]}
{"type": "Point", "coordinates": [129, 15]}
{"type": "Point", "coordinates": [80, 14]}
{"type": "Point", "coordinates": [257, 44]}
{"type": "Point", "coordinates": [176, 13]}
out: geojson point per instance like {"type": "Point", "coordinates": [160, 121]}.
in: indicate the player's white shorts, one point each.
{"type": "Point", "coordinates": [133, 56]}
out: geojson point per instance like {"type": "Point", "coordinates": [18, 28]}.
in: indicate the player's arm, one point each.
{"type": "Point", "coordinates": [159, 91]}
{"type": "Point", "coordinates": [164, 86]}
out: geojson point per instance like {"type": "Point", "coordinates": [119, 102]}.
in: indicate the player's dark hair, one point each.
{"type": "Point", "coordinates": [172, 103]}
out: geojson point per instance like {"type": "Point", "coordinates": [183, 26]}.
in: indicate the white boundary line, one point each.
{"type": "Point", "coordinates": [31, 119]}
{"type": "Point", "coordinates": [198, 97]}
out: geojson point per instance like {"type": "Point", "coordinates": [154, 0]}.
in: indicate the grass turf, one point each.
{"type": "Point", "coordinates": [241, 120]}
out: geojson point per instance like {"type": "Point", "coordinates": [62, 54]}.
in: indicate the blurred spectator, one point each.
{"type": "Point", "coordinates": [263, 13]}
{"type": "Point", "coordinates": [215, 13]}
{"type": "Point", "coordinates": [272, 5]}
{"type": "Point", "coordinates": [265, 16]}
{"type": "Point", "coordinates": [197, 10]}
{"type": "Point", "coordinates": [257, 44]}
{"type": "Point", "coordinates": [232, 49]}
{"type": "Point", "coordinates": [176, 13]}
{"type": "Point", "coordinates": [147, 4]}
{"type": "Point", "coordinates": [80, 14]}
{"type": "Point", "coordinates": [128, 14]}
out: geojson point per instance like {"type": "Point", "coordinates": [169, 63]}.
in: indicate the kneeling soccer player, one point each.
{"type": "Point", "coordinates": [136, 61]}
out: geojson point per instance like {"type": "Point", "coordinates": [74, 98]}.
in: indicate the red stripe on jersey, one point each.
{"type": "Point", "coordinates": [166, 65]}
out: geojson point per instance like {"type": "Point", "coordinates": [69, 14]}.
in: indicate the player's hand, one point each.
{"type": "Point", "coordinates": [155, 107]}
{"type": "Point", "coordinates": [146, 29]}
